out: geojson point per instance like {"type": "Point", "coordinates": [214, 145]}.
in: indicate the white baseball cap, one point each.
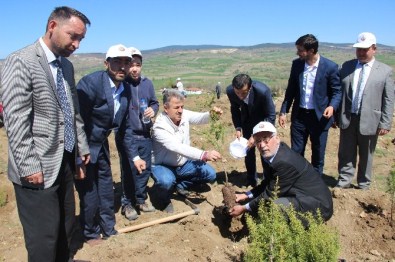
{"type": "Point", "coordinates": [135, 51]}
{"type": "Point", "coordinates": [178, 79]}
{"type": "Point", "coordinates": [264, 127]}
{"type": "Point", "coordinates": [365, 40]}
{"type": "Point", "coordinates": [118, 51]}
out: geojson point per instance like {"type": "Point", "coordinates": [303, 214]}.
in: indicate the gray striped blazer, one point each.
{"type": "Point", "coordinates": [33, 117]}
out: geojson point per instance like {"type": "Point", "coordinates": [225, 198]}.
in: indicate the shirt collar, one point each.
{"type": "Point", "coordinates": [48, 53]}
{"type": "Point", "coordinates": [370, 63]}
{"type": "Point", "coordinates": [176, 127]}
{"type": "Point", "coordinates": [270, 160]}
{"type": "Point", "coordinates": [245, 100]}
{"type": "Point", "coordinates": [313, 66]}
{"type": "Point", "coordinates": [114, 89]}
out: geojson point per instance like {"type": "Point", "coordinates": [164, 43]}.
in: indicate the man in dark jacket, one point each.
{"type": "Point", "coordinates": [299, 183]}
{"type": "Point", "coordinates": [314, 92]}
{"type": "Point", "coordinates": [136, 170]}
{"type": "Point", "coordinates": [250, 103]}
{"type": "Point", "coordinates": [104, 100]}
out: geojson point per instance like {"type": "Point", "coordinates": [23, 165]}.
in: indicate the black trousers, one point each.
{"type": "Point", "coordinates": [47, 215]}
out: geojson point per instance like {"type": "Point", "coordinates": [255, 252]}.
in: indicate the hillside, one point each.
{"type": "Point", "coordinates": [204, 65]}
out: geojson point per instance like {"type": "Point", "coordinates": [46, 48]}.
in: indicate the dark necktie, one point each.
{"type": "Point", "coordinates": [357, 97]}
{"type": "Point", "coordinates": [69, 136]}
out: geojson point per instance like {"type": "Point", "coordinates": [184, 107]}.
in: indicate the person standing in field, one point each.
{"type": "Point", "coordinates": [46, 139]}
{"type": "Point", "coordinates": [104, 101]}
{"type": "Point", "coordinates": [314, 93]}
{"type": "Point", "coordinates": [250, 103]}
{"type": "Point", "coordinates": [365, 112]}
{"type": "Point", "coordinates": [134, 179]}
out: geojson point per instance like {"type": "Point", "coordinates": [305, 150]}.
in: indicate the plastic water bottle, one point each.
{"type": "Point", "coordinates": [143, 107]}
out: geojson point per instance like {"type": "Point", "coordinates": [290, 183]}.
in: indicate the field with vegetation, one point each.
{"type": "Point", "coordinates": [203, 68]}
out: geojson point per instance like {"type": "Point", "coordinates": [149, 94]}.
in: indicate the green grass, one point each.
{"type": "Point", "coordinates": [204, 68]}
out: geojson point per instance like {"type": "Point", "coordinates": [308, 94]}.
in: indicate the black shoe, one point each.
{"type": "Point", "coordinates": [182, 192]}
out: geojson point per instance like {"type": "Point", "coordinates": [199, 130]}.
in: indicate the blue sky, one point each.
{"type": "Point", "coordinates": [149, 24]}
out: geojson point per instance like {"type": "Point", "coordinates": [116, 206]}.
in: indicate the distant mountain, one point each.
{"type": "Point", "coordinates": [178, 48]}
{"type": "Point", "coordinates": [175, 48]}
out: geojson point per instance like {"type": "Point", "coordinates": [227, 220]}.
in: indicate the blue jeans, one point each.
{"type": "Point", "coordinates": [134, 185]}
{"type": "Point", "coordinates": [192, 172]}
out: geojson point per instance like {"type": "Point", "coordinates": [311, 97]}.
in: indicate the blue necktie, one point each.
{"type": "Point", "coordinates": [69, 136]}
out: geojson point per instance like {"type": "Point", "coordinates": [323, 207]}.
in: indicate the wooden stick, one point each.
{"type": "Point", "coordinates": [158, 221]}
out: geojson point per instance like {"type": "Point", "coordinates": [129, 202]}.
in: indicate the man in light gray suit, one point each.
{"type": "Point", "coordinates": [45, 134]}
{"type": "Point", "coordinates": [366, 111]}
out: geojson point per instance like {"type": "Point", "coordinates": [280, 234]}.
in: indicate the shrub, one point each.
{"type": "Point", "coordinates": [279, 235]}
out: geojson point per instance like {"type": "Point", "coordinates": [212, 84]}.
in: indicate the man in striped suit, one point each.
{"type": "Point", "coordinates": [47, 143]}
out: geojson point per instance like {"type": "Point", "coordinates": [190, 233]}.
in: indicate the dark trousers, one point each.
{"type": "Point", "coordinates": [134, 185]}
{"type": "Point", "coordinates": [306, 125]}
{"type": "Point", "coordinates": [97, 199]}
{"type": "Point", "coordinates": [250, 163]}
{"type": "Point", "coordinates": [47, 215]}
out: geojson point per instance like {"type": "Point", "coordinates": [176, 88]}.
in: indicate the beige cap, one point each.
{"type": "Point", "coordinates": [264, 127]}
{"type": "Point", "coordinates": [118, 51]}
{"type": "Point", "coordinates": [365, 40]}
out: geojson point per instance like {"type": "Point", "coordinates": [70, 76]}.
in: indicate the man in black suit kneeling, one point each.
{"type": "Point", "coordinates": [299, 184]}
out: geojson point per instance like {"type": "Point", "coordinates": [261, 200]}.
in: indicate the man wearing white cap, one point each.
{"type": "Point", "coordinates": [365, 112]}
{"type": "Point", "coordinates": [104, 103]}
{"type": "Point", "coordinates": [135, 174]}
{"type": "Point", "coordinates": [300, 185]}
{"type": "Point", "coordinates": [180, 86]}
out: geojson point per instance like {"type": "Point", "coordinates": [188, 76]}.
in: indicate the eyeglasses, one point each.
{"type": "Point", "coordinates": [264, 140]}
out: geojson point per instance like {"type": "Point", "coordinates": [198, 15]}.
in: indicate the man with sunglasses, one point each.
{"type": "Point", "coordinates": [299, 184]}
{"type": "Point", "coordinates": [104, 101]}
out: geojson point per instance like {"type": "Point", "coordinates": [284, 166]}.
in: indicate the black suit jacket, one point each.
{"type": "Point", "coordinates": [97, 111]}
{"type": "Point", "coordinates": [260, 107]}
{"type": "Point", "coordinates": [298, 181]}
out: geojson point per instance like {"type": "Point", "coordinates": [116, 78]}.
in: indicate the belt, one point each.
{"type": "Point", "coordinates": [306, 111]}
